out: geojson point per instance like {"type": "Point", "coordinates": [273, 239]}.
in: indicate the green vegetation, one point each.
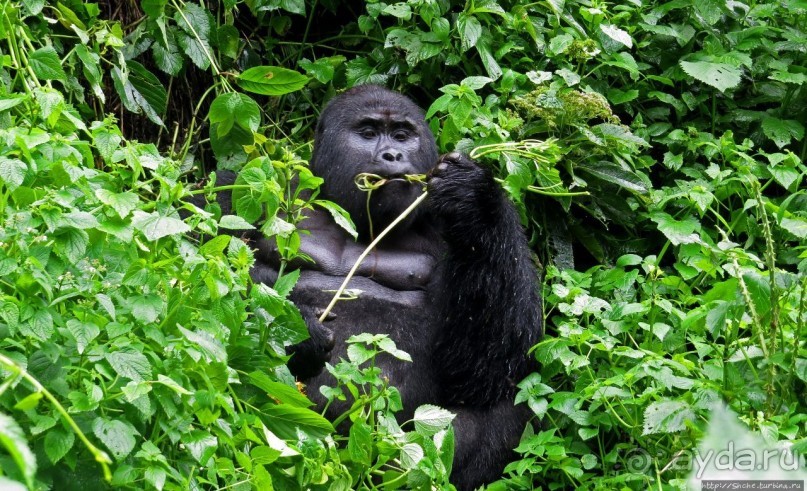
{"type": "Point", "coordinates": [655, 151]}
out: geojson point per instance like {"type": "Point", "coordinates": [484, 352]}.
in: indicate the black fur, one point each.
{"type": "Point", "coordinates": [455, 286]}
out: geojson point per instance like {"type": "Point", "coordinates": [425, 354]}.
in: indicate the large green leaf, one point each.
{"type": "Point", "coordinates": [271, 80]}
{"type": "Point", "coordinates": [287, 420]}
{"type": "Point", "coordinates": [721, 76]}
{"type": "Point", "coordinates": [12, 438]}
{"type": "Point", "coordinates": [46, 64]}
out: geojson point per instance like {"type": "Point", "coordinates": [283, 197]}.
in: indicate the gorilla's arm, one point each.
{"type": "Point", "coordinates": [487, 288]}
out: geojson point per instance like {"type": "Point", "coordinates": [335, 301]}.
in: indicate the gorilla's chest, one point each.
{"type": "Point", "coordinates": [406, 316]}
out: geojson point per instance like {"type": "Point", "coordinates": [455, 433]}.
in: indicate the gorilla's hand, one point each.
{"type": "Point", "coordinates": [462, 194]}
{"type": "Point", "coordinates": [309, 357]}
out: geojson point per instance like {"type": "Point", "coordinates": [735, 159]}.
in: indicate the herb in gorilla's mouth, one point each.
{"type": "Point", "coordinates": [368, 182]}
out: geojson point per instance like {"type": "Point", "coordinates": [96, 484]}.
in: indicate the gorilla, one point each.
{"type": "Point", "coordinates": [454, 285]}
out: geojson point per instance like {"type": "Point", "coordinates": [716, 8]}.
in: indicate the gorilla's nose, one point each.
{"type": "Point", "coordinates": [392, 155]}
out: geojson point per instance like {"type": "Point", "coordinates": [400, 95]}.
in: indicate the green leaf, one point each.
{"type": "Point", "coordinates": [235, 222]}
{"type": "Point", "coordinates": [360, 443]}
{"type": "Point", "coordinates": [13, 440]}
{"type": "Point", "coordinates": [400, 10]}
{"type": "Point", "coordinates": [201, 445]}
{"type": "Point", "coordinates": [796, 226]}
{"type": "Point", "coordinates": [286, 421]}
{"type": "Point", "coordinates": [211, 347]}
{"type": "Point", "coordinates": [781, 131]}
{"type": "Point", "coordinates": [196, 50]}
{"type": "Point", "coordinates": [719, 75]}
{"type": "Point", "coordinates": [667, 417]}
{"type": "Point", "coordinates": [167, 55]}
{"type": "Point", "coordinates": [194, 20]}
{"type": "Point", "coordinates": [40, 325]}
{"type": "Point", "coordinates": [131, 364]}
{"type": "Point", "coordinates": [677, 231]}
{"type": "Point", "coordinates": [155, 226]}
{"type": "Point", "coordinates": [272, 80]}
{"type": "Point", "coordinates": [118, 436]}
{"type": "Point", "coordinates": [431, 419]}
{"type": "Point", "coordinates": [123, 203]}
{"type": "Point", "coordinates": [617, 34]}
{"type": "Point", "coordinates": [615, 174]}
{"type": "Point", "coordinates": [411, 455]}
{"type": "Point", "coordinates": [146, 308]}
{"type": "Point", "coordinates": [58, 442]}
{"type": "Point", "coordinates": [293, 6]}
{"type": "Point", "coordinates": [12, 172]}
{"type": "Point", "coordinates": [153, 8]}
{"type": "Point", "coordinates": [83, 333]}
{"type": "Point", "coordinates": [760, 292]}
{"type": "Point", "coordinates": [469, 29]}
{"type": "Point", "coordinates": [235, 108]}
{"type": "Point", "coordinates": [279, 391]}
{"type": "Point", "coordinates": [10, 100]}
{"type": "Point", "coordinates": [340, 216]}
{"type": "Point", "coordinates": [46, 64]}
{"type": "Point", "coordinates": [72, 243]}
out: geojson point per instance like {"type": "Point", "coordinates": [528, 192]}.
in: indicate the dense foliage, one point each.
{"type": "Point", "coordinates": [655, 150]}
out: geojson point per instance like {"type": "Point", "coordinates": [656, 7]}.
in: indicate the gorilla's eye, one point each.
{"type": "Point", "coordinates": [400, 136]}
{"type": "Point", "coordinates": [368, 133]}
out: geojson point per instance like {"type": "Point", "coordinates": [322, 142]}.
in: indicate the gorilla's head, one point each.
{"type": "Point", "coordinates": [371, 129]}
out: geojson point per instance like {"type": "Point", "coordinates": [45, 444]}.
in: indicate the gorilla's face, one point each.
{"type": "Point", "coordinates": [373, 130]}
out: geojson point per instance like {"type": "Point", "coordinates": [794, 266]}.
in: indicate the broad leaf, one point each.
{"type": "Point", "coordinates": [272, 80]}
{"type": "Point", "coordinates": [719, 75]}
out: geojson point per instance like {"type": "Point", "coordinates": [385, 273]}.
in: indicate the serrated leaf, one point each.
{"type": "Point", "coordinates": [146, 308]}
{"type": "Point", "coordinates": [677, 231]}
{"type": "Point", "coordinates": [106, 142]}
{"type": "Point", "coordinates": [209, 345]}
{"type": "Point", "coordinates": [721, 76]}
{"type": "Point", "coordinates": [194, 20]}
{"type": "Point", "coordinates": [46, 64]}
{"type": "Point", "coordinates": [796, 226]}
{"type": "Point", "coordinates": [617, 34]}
{"type": "Point", "coordinates": [72, 244]}
{"type": "Point", "coordinates": [340, 216]}
{"type": "Point", "coordinates": [469, 29]}
{"type": "Point", "coordinates": [196, 50]}
{"type": "Point", "coordinates": [40, 325]}
{"type": "Point", "coordinates": [167, 55]}
{"type": "Point", "coordinates": [83, 333]}
{"type": "Point", "coordinates": [117, 435]}
{"type": "Point", "coordinates": [411, 455]}
{"type": "Point", "coordinates": [12, 438]}
{"type": "Point", "coordinates": [430, 419]}
{"type": "Point", "coordinates": [781, 131]}
{"type": "Point", "coordinates": [667, 417]}
{"type": "Point", "coordinates": [58, 442]}
{"type": "Point", "coordinates": [232, 108]}
{"type": "Point", "coordinates": [272, 80]}
{"type": "Point", "coordinates": [155, 226]}
{"type": "Point", "coordinates": [12, 172]}
{"type": "Point", "coordinates": [201, 445]}
{"type": "Point", "coordinates": [123, 203]}
{"type": "Point", "coordinates": [235, 222]}
{"type": "Point", "coordinates": [360, 443]}
{"type": "Point", "coordinates": [130, 364]}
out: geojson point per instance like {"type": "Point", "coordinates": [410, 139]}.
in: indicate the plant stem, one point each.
{"type": "Point", "coordinates": [100, 456]}
{"type": "Point", "coordinates": [369, 248]}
